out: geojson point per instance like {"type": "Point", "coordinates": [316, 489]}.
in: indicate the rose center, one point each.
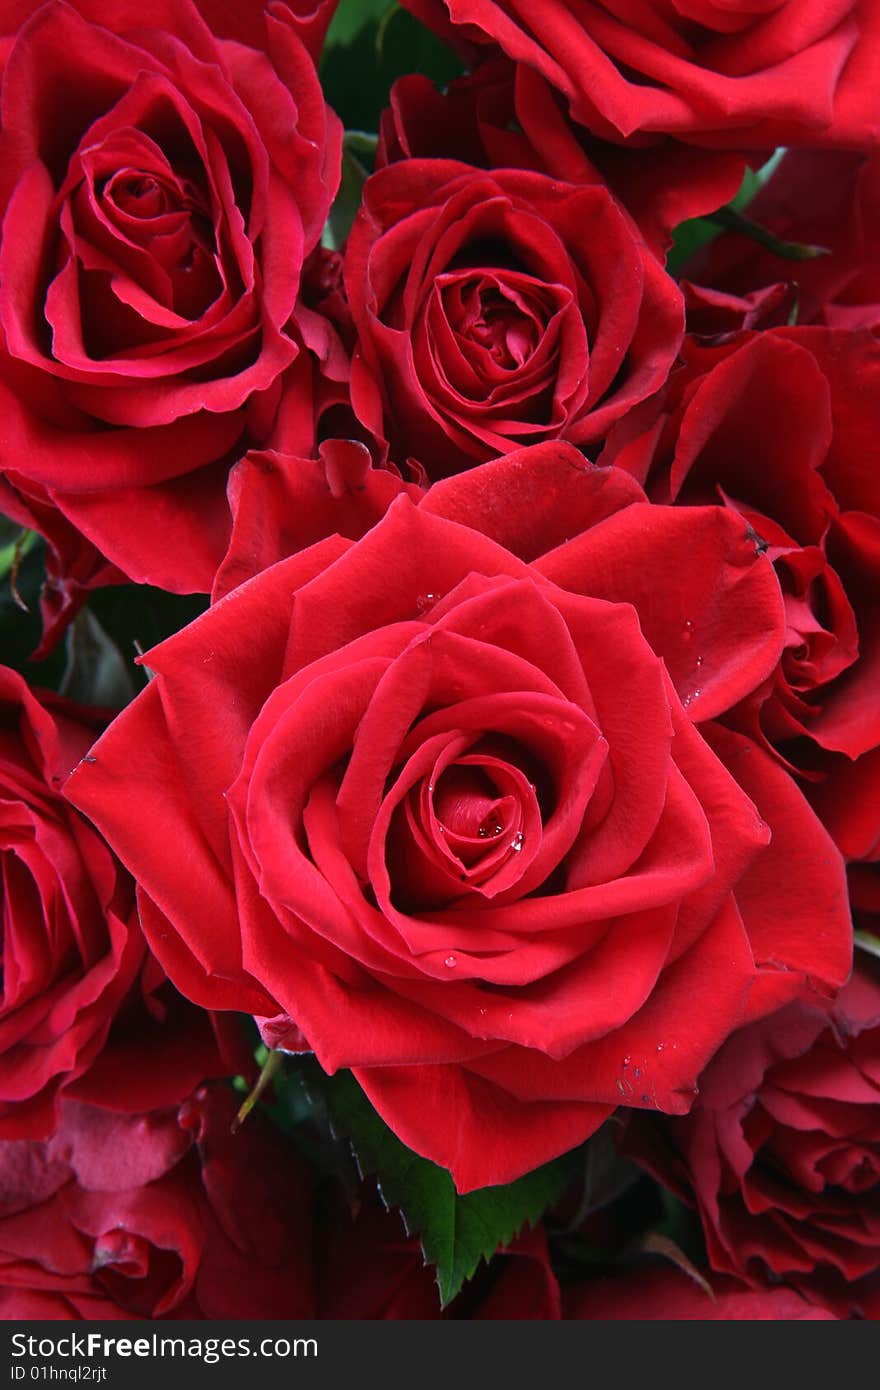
{"type": "Point", "coordinates": [471, 814]}
{"type": "Point", "coordinates": [505, 325]}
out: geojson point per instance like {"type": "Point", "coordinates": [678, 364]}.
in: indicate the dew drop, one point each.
{"type": "Point", "coordinates": [699, 661]}
{"type": "Point", "coordinates": [482, 1013]}
{"type": "Point", "coordinates": [451, 962]}
{"type": "Point", "coordinates": [424, 601]}
{"type": "Point", "coordinates": [516, 843]}
{"type": "Point", "coordinates": [626, 1061]}
{"type": "Point", "coordinates": [688, 630]}
{"type": "Point", "coordinates": [430, 786]}
{"type": "Point", "coordinates": [660, 1047]}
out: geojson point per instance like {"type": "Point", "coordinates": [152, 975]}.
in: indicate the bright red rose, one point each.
{"type": "Point", "coordinates": [719, 73]}
{"type": "Point", "coordinates": [437, 796]}
{"type": "Point", "coordinates": [781, 1155]}
{"type": "Point", "coordinates": [662, 1293]}
{"type": "Point", "coordinates": [496, 309]}
{"type": "Point", "coordinates": [161, 187]}
{"type": "Point", "coordinates": [161, 1215]}
{"type": "Point", "coordinates": [71, 944]}
{"type": "Point", "coordinates": [281, 504]}
{"type": "Point", "coordinates": [780, 426]}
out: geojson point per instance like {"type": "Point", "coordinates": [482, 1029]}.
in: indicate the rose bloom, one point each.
{"type": "Point", "coordinates": [839, 290]}
{"type": "Point", "coordinates": [161, 187]}
{"type": "Point", "coordinates": [718, 73]}
{"type": "Point", "coordinates": [496, 309]}
{"type": "Point", "coordinates": [281, 503]}
{"type": "Point", "coordinates": [71, 943]}
{"type": "Point", "coordinates": [781, 1155]}
{"type": "Point", "coordinates": [166, 1214]}
{"type": "Point", "coordinates": [433, 805]}
{"type": "Point", "coordinates": [505, 115]}
{"type": "Point", "coordinates": [780, 427]}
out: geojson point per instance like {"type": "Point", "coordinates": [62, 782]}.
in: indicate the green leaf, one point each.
{"type": "Point", "coordinates": [137, 616]}
{"type": "Point", "coordinates": [96, 673]}
{"type": "Point", "coordinates": [689, 237]}
{"type": "Point", "coordinates": [20, 622]}
{"type": "Point", "coordinates": [15, 542]}
{"type": "Point", "coordinates": [358, 71]}
{"type": "Point", "coordinates": [867, 941]}
{"type": "Point", "coordinates": [457, 1232]}
{"type": "Point", "coordinates": [352, 16]}
{"type": "Point", "coordinates": [346, 202]}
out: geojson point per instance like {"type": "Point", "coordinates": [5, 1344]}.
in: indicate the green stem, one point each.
{"type": "Point", "coordinates": [733, 221]}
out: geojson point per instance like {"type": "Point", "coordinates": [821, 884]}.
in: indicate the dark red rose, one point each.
{"type": "Point", "coordinates": [71, 944]}
{"type": "Point", "coordinates": [507, 116]}
{"type": "Point", "coordinates": [231, 20]}
{"type": "Point", "coordinates": [662, 1293]}
{"type": "Point", "coordinates": [718, 73]}
{"type": "Point", "coordinates": [847, 801]}
{"type": "Point", "coordinates": [713, 313]}
{"type": "Point", "coordinates": [781, 1155]}
{"type": "Point", "coordinates": [161, 1215]}
{"type": "Point", "coordinates": [161, 187]}
{"type": "Point", "coordinates": [496, 309]}
{"type": "Point", "coordinates": [369, 1268]}
{"type": "Point", "coordinates": [437, 796]}
{"type": "Point", "coordinates": [780, 427]}
{"type": "Point", "coordinates": [827, 198]}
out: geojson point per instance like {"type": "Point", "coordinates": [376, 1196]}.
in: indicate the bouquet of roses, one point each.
{"type": "Point", "coordinates": [440, 740]}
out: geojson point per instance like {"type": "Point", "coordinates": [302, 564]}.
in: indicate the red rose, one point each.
{"type": "Point", "coordinates": [369, 1268]}
{"type": "Point", "coordinates": [165, 1214]}
{"type": "Point", "coordinates": [724, 75]}
{"type": "Point", "coordinates": [153, 238]}
{"type": "Point", "coordinates": [827, 198]}
{"type": "Point", "coordinates": [781, 1155]}
{"type": "Point", "coordinates": [71, 945]}
{"type": "Point", "coordinates": [436, 795]}
{"type": "Point", "coordinates": [780, 427]}
{"type": "Point", "coordinates": [506, 116]}
{"type": "Point", "coordinates": [496, 309]}
{"type": "Point", "coordinates": [662, 1293]}
{"type": "Point", "coordinates": [281, 504]}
